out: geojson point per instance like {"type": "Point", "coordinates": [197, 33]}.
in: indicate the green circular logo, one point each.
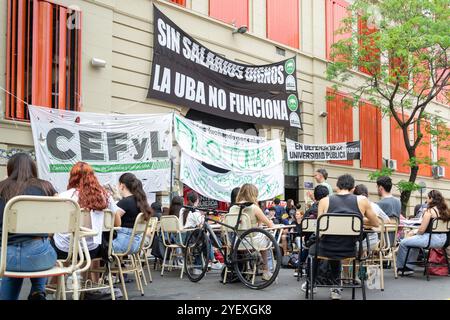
{"type": "Point", "coordinates": [292, 102]}
{"type": "Point", "coordinates": [289, 66]}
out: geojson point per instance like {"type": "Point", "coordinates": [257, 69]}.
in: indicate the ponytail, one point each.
{"type": "Point", "coordinates": [134, 185]}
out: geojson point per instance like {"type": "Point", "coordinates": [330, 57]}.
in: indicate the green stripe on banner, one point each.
{"type": "Point", "coordinates": [122, 167]}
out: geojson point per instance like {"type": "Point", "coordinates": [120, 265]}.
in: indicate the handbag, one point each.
{"type": "Point", "coordinates": [437, 257]}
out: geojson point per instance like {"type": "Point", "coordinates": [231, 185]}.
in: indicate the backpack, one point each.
{"type": "Point", "coordinates": [285, 262]}
{"type": "Point", "coordinates": [437, 256]}
{"type": "Point", "coordinates": [294, 261]}
{"type": "Point", "coordinates": [158, 247]}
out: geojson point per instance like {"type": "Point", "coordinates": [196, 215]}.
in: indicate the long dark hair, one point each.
{"type": "Point", "coordinates": [175, 206]}
{"type": "Point", "coordinates": [134, 185]}
{"type": "Point", "coordinates": [22, 174]}
{"type": "Point", "coordinates": [437, 200]}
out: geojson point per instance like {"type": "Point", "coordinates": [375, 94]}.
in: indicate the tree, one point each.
{"type": "Point", "coordinates": [403, 47]}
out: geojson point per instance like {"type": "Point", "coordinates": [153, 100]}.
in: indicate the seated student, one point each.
{"type": "Point", "coordinates": [134, 201]}
{"type": "Point", "coordinates": [320, 192]}
{"type": "Point", "coordinates": [362, 191]}
{"type": "Point", "coordinates": [26, 252]}
{"type": "Point", "coordinates": [271, 215]}
{"type": "Point", "coordinates": [279, 210]}
{"type": "Point", "coordinates": [84, 188]}
{"type": "Point", "coordinates": [156, 210]}
{"type": "Point", "coordinates": [196, 219]}
{"type": "Point", "coordinates": [437, 208]}
{"type": "Point", "coordinates": [336, 248]}
{"type": "Point", "coordinates": [249, 193]}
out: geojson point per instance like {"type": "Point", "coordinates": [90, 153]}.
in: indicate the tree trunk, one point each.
{"type": "Point", "coordinates": [405, 195]}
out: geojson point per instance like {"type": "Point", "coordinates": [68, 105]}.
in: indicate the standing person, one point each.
{"type": "Point", "coordinates": [437, 208]}
{"type": "Point", "coordinates": [30, 252]}
{"type": "Point", "coordinates": [388, 203]}
{"type": "Point", "coordinates": [134, 201]}
{"type": "Point", "coordinates": [340, 247]}
{"type": "Point", "coordinates": [321, 176]}
{"type": "Point", "coordinates": [249, 193]}
{"type": "Point", "coordinates": [85, 189]}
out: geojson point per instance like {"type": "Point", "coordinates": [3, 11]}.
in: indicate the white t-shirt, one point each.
{"type": "Point", "coordinates": [62, 240]}
{"type": "Point", "coordinates": [193, 220]}
{"type": "Point", "coordinates": [378, 211]}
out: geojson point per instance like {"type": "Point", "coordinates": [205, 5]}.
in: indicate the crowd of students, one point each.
{"type": "Point", "coordinates": [39, 252]}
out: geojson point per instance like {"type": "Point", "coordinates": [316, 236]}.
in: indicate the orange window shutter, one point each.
{"type": "Point", "coordinates": [397, 66]}
{"type": "Point", "coordinates": [230, 11]}
{"type": "Point", "coordinates": [62, 80]}
{"type": "Point", "coordinates": [339, 122]}
{"type": "Point", "coordinates": [335, 11]}
{"type": "Point", "coordinates": [398, 148]}
{"type": "Point", "coordinates": [42, 53]}
{"type": "Point", "coordinates": [283, 21]}
{"type": "Point", "coordinates": [444, 153]}
{"type": "Point", "coordinates": [372, 58]}
{"type": "Point", "coordinates": [180, 2]}
{"type": "Point", "coordinates": [370, 136]}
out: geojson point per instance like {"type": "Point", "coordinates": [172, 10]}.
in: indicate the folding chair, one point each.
{"type": "Point", "coordinates": [170, 225]}
{"type": "Point", "coordinates": [437, 226]}
{"type": "Point", "coordinates": [375, 256]}
{"type": "Point", "coordinates": [37, 215]}
{"type": "Point", "coordinates": [150, 233]}
{"type": "Point", "coordinates": [147, 250]}
{"type": "Point", "coordinates": [342, 225]}
{"type": "Point", "coordinates": [307, 227]}
{"type": "Point", "coordinates": [390, 242]}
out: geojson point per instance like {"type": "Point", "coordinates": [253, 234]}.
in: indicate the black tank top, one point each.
{"type": "Point", "coordinates": [339, 247]}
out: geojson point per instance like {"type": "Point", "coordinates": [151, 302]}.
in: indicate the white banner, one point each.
{"type": "Point", "coordinates": [112, 144]}
{"type": "Point", "coordinates": [323, 152]}
{"type": "Point", "coordinates": [218, 186]}
{"type": "Point", "coordinates": [219, 151]}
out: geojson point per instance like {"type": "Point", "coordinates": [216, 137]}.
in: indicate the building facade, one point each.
{"type": "Point", "coordinates": [37, 37]}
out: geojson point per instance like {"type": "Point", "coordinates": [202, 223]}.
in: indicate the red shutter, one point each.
{"type": "Point", "coordinates": [444, 153]}
{"type": "Point", "coordinates": [283, 21]}
{"type": "Point", "coordinates": [230, 11]}
{"type": "Point", "coordinates": [373, 56]}
{"type": "Point", "coordinates": [180, 2]}
{"type": "Point", "coordinates": [335, 11]}
{"type": "Point", "coordinates": [370, 136]}
{"type": "Point", "coordinates": [398, 149]}
{"type": "Point", "coordinates": [444, 95]}
{"type": "Point", "coordinates": [398, 66]}
{"type": "Point", "coordinates": [339, 121]}
{"type": "Point", "coordinates": [424, 149]}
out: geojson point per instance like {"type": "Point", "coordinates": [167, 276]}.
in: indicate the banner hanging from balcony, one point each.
{"type": "Point", "coordinates": [186, 73]}
{"type": "Point", "coordinates": [218, 186]}
{"type": "Point", "coordinates": [111, 144]}
{"type": "Point", "coordinates": [323, 152]}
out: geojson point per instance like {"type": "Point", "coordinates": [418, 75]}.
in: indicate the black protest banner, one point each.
{"type": "Point", "coordinates": [323, 152]}
{"type": "Point", "coordinates": [185, 72]}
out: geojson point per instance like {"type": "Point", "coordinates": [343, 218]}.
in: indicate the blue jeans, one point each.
{"type": "Point", "coordinates": [120, 243]}
{"type": "Point", "coordinates": [27, 256]}
{"type": "Point", "coordinates": [437, 241]}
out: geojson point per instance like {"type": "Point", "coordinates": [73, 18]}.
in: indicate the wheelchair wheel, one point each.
{"type": "Point", "coordinates": [196, 255]}
{"type": "Point", "coordinates": [256, 258]}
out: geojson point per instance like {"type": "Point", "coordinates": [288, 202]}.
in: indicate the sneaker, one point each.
{"type": "Point", "coordinates": [267, 276]}
{"type": "Point", "coordinates": [336, 294]}
{"type": "Point", "coordinates": [295, 274]}
{"type": "Point", "coordinates": [405, 271]}
{"type": "Point", "coordinates": [304, 288]}
{"type": "Point", "coordinates": [196, 272]}
{"type": "Point", "coordinates": [118, 293]}
{"type": "Point", "coordinates": [38, 295]}
{"type": "Point", "coordinates": [215, 265]}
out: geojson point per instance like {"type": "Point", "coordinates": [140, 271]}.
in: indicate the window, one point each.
{"type": "Point", "coordinates": [43, 57]}
{"type": "Point", "coordinates": [424, 149]}
{"type": "Point", "coordinates": [180, 2]}
{"type": "Point", "coordinates": [370, 136]}
{"type": "Point", "coordinates": [339, 121]}
{"type": "Point", "coordinates": [398, 68]}
{"type": "Point", "coordinates": [370, 52]}
{"type": "Point", "coordinates": [283, 21]}
{"type": "Point", "coordinates": [398, 148]}
{"type": "Point", "coordinates": [336, 10]}
{"type": "Point", "coordinates": [230, 11]}
{"type": "Point", "coordinates": [290, 167]}
{"type": "Point", "coordinates": [444, 153]}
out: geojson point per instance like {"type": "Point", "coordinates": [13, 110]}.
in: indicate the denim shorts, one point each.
{"type": "Point", "coordinates": [121, 242]}
{"type": "Point", "coordinates": [30, 255]}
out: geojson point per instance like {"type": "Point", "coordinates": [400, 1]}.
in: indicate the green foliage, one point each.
{"type": "Point", "coordinates": [404, 185]}
{"type": "Point", "coordinates": [385, 171]}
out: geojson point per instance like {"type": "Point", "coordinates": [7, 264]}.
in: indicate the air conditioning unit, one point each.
{"type": "Point", "coordinates": [438, 172]}
{"type": "Point", "coordinates": [390, 163]}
